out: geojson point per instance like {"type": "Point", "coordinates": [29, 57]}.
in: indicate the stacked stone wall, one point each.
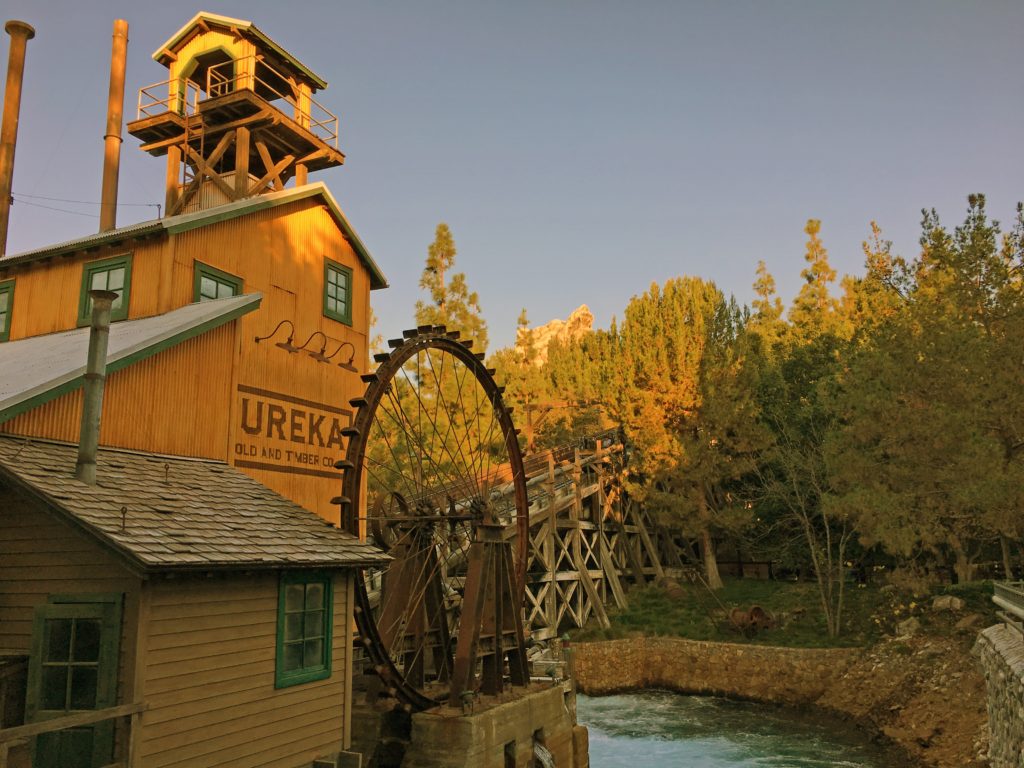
{"type": "Point", "coordinates": [791, 676]}
{"type": "Point", "coordinates": [1000, 651]}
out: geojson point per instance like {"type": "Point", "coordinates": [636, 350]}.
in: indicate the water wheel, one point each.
{"type": "Point", "coordinates": [434, 476]}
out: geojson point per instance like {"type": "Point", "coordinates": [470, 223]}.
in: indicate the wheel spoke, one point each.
{"type": "Point", "coordinates": [432, 450]}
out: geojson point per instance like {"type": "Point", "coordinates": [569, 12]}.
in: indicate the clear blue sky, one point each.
{"type": "Point", "coordinates": [580, 150]}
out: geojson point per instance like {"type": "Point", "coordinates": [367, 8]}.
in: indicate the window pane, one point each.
{"type": "Point", "coordinates": [314, 596]}
{"type": "Point", "coordinates": [207, 288]}
{"type": "Point", "coordinates": [116, 303]}
{"type": "Point", "coordinates": [58, 640]}
{"type": "Point", "coordinates": [293, 595]}
{"type": "Point", "coordinates": [115, 279]}
{"type": "Point", "coordinates": [3, 300]}
{"type": "Point", "coordinates": [76, 748]}
{"type": "Point", "coordinates": [292, 657]}
{"type": "Point", "coordinates": [293, 626]}
{"type": "Point", "coordinates": [332, 291]}
{"type": "Point", "coordinates": [87, 640]}
{"type": "Point", "coordinates": [315, 624]}
{"type": "Point", "coordinates": [83, 687]}
{"type": "Point", "coordinates": [333, 277]}
{"type": "Point", "coordinates": [314, 653]}
{"type": "Point", "coordinates": [224, 290]}
{"type": "Point", "coordinates": [54, 687]}
{"type": "Point", "coordinates": [99, 281]}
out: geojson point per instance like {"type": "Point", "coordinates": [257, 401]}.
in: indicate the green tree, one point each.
{"type": "Point", "coordinates": [815, 310]}
{"type": "Point", "coordinates": [685, 405]}
{"type": "Point", "coordinates": [450, 303]}
{"type": "Point", "coordinates": [929, 458]}
{"type": "Point", "coordinates": [796, 396]}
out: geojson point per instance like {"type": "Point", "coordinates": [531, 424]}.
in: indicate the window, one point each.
{"type": "Point", "coordinates": [6, 304]}
{"type": "Point", "coordinates": [211, 283]}
{"type": "Point", "coordinates": [338, 292]}
{"type": "Point", "coordinates": [73, 668]}
{"type": "Point", "coordinates": [107, 275]}
{"type": "Point", "coordinates": [303, 629]}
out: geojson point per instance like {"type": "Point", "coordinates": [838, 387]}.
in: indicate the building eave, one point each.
{"type": "Point", "coordinates": [243, 26]}
{"type": "Point", "coordinates": [184, 222]}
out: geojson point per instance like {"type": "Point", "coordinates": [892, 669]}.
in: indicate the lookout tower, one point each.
{"type": "Point", "coordinates": [236, 118]}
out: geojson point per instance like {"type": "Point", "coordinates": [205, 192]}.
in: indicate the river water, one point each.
{"type": "Point", "coordinates": [656, 728]}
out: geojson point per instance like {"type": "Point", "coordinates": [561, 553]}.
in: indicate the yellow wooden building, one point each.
{"type": "Point", "coordinates": [201, 590]}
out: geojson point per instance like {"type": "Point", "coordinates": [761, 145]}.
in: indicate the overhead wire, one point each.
{"type": "Point", "coordinates": [20, 197]}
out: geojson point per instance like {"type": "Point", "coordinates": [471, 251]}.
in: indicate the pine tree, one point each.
{"type": "Point", "coordinates": [814, 308]}
{"type": "Point", "coordinates": [451, 303]}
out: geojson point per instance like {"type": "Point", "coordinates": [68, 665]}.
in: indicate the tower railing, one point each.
{"type": "Point", "coordinates": [255, 74]}
{"type": "Point", "coordinates": [252, 73]}
{"type": "Point", "coordinates": [174, 95]}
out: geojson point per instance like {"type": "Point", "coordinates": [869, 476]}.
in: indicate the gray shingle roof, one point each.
{"type": "Point", "coordinates": [168, 513]}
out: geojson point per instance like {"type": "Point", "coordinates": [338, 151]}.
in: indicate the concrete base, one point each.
{"type": "Point", "coordinates": [499, 733]}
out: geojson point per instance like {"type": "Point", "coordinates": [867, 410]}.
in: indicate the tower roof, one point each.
{"type": "Point", "coordinates": [204, 21]}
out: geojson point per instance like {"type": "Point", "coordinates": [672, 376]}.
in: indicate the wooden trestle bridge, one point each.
{"type": "Point", "coordinates": [588, 541]}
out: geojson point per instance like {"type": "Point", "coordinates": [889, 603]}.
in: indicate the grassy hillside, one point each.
{"type": "Point", "coordinates": [870, 612]}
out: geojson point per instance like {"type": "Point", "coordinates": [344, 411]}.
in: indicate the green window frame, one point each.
{"type": "Point", "coordinates": [212, 283]}
{"type": "Point", "coordinates": [114, 274]}
{"type": "Point", "coordinates": [73, 667]}
{"type": "Point", "coordinates": [6, 307]}
{"type": "Point", "coordinates": [305, 615]}
{"type": "Point", "coordinates": [337, 292]}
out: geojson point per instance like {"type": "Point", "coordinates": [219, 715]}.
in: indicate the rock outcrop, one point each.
{"type": "Point", "coordinates": [579, 323]}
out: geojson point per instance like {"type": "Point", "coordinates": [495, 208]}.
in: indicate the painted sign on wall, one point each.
{"type": "Point", "coordinates": [281, 433]}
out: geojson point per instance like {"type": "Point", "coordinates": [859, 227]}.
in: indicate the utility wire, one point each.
{"type": "Point", "coordinates": [19, 197]}
{"type": "Point", "coordinates": [61, 210]}
{"type": "Point", "coordinates": [82, 202]}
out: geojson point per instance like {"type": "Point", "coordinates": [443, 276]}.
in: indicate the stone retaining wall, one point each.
{"type": "Point", "coordinates": [1001, 653]}
{"type": "Point", "coordinates": [791, 676]}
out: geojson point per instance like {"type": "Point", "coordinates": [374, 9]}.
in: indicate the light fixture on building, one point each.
{"type": "Point", "coordinates": [347, 364]}
{"type": "Point", "coordinates": [287, 344]}
{"type": "Point", "coordinates": [315, 355]}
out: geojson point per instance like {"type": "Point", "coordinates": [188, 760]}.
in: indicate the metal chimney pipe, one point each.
{"type": "Point", "coordinates": [20, 33]}
{"type": "Point", "coordinates": [95, 377]}
{"type": "Point", "coordinates": [112, 138]}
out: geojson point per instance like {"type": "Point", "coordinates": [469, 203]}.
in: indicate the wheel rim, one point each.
{"type": "Point", "coordinates": [431, 450]}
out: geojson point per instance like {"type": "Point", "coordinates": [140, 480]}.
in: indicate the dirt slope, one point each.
{"type": "Point", "coordinates": [926, 694]}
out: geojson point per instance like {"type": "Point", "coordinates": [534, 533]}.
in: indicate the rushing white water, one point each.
{"type": "Point", "coordinates": [656, 728]}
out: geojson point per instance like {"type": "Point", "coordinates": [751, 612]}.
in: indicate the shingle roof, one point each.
{"type": "Point", "coordinates": [168, 513]}
{"type": "Point", "coordinates": [40, 368]}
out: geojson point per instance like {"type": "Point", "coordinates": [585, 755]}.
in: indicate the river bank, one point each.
{"type": "Point", "coordinates": [924, 695]}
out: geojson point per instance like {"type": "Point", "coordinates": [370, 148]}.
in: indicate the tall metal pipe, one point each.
{"type": "Point", "coordinates": [95, 378]}
{"type": "Point", "coordinates": [115, 115]}
{"type": "Point", "coordinates": [20, 32]}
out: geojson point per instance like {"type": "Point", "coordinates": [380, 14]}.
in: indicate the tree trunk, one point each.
{"type": "Point", "coordinates": [707, 549]}
{"type": "Point", "coordinates": [1004, 545]}
{"type": "Point", "coordinates": [963, 566]}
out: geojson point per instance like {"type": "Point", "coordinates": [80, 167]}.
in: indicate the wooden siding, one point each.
{"type": "Point", "coordinates": [41, 555]}
{"type": "Point", "coordinates": [209, 678]}
{"type": "Point", "coordinates": [47, 292]}
{"type": "Point", "coordinates": [189, 400]}
{"type": "Point", "coordinates": [149, 406]}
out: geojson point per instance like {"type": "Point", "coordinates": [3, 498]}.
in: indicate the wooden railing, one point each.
{"type": "Point", "coordinates": [12, 737]}
{"type": "Point", "coordinates": [255, 74]}
{"type": "Point", "coordinates": [181, 96]}
{"type": "Point", "coordinates": [1009, 595]}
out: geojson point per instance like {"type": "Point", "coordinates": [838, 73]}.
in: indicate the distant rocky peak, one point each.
{"type": "Point", "coordinates": [579, 323]}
